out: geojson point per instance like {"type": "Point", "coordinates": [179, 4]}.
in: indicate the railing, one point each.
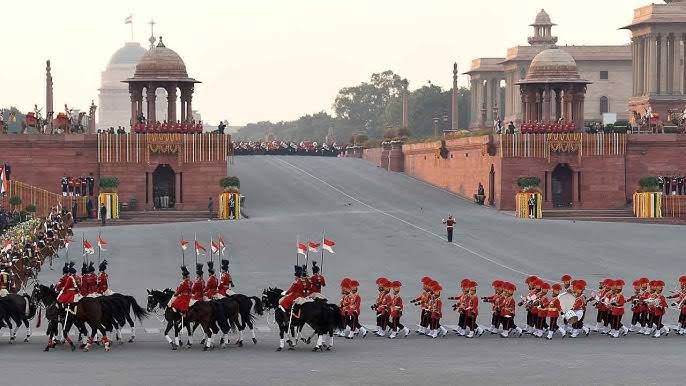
{"type": "Point", "coordinates": [189, 148]}
{"type": "Point", "coordinates": [673, 206]}
{"type": "Point", "coordinates": [42, 199]}
{"type": "Point", "coordinates": [543, 145]}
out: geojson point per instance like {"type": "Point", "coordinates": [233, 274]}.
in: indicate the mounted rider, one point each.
{"type": "Point", "coordinates": [225, 280]}
{"type": "Point", "coordinates": [198, 288]}
{"type": "Point", "coordinates": [69, 293]}
{"type": "Point", "coordinates": [212, 287]}
{"type": "Point", "coordinates": [182, 297]}
{"type": "Point", "coordinates": [295, 292]}
{"type": "Point", "coordinates": [4, 281]}
{"type": "Point", "coordinates": [317, 281]}
{"type": "Point", "coordinates": [103, 287]}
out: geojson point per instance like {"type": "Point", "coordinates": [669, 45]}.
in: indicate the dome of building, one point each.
{"type": "Point", "coordinates": [543, 18]}
{"type": "Point", "coordinates": [130, 54]}
{"type": "Point", "coordinates": [551, 65]}
{"type": "Point", "coordinates": [161, 63]}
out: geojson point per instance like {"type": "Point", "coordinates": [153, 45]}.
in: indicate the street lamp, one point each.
{"type": "Point", "coordinates": [435, 121]}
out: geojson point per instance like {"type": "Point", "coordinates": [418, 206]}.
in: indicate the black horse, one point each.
{"type": "Point", "coordinates": [27, 310]}
{"type": "Point", "coordinates": [324, 318]}
{"type": "Point", "coordinates": [160, 300]}
{"type": "Point", "coordinates": [247, 305]}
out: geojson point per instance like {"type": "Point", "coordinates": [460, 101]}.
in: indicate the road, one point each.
{"type": "Point", "coordinates": [384, 224]}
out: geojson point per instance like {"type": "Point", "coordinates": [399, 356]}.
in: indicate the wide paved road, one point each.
{"type": "Point", "coordinates": [383, 224]}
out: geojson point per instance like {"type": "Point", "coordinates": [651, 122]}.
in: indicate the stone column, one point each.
{"type": "Point", "coordinates": [546, 104]}
{"type": "Point", "coordinates": [189, 108]}
{"type": "Point", "coordinates": [474, 102]}
{"type": "Point", "coordinates": [171, 103]}
{"type": "Point", "coordinates": [134, 109]}
{"type": "Point", "coordinates": [455, 114]}
{"type": "Point", "coordinates": [489, 100]}
{"type": "Point", "coordinates": [558, 104]}
{"type": "Point", "coordinates": [640, 76]}
{"type": "Point", "coordinates": [663, 65]}
{"type": "Point", "coordinates": [634, 66]}
{"type": "Point", "coordinates": [150, 98]}
{"type": "Point", "coordinates": [678, 64]}
{"type": "Point", "coordinates": [580, 109]}
{"type": "Point", "coordinates": [525, 108]}
{"type": "Point", "coordinates": [653, 67]}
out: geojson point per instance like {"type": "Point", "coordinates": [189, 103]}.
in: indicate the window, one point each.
{"type": "Point", "coordinates": [604, 75]}
{"type": "Point", "coordinates": [604, 105]}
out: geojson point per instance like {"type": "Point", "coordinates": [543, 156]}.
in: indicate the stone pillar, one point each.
{"type": "Point", "coordinates": [406, 111]}
{"type": "Point", "coordinates": [48, 91]}
{"type": "Point", "coordinates": [653, 65]}
{"type": "Point", "coordinates": [134, 109]}
{"type": "Point", "coordinates": [546, 104]}
{"type": "Point", "coordinates": [455, 113]}
{"type": "Point", "coordinates": [177, 191]}
{"type": "Point", "coordinates": [663, 65]}
{"type": "Point", "coordinates": [634, 67]}
{"type": "Point", "coordinates": [171, 103]}
{"type": "Point", "coordinates": [640, 76]}
{"type": "Point", "coordinates": [580, 109]}
{"type": "Point", "coordinates": [558, 104]}
{"type": "Point", "coordinates": [385, 150]}
{"type": "Point", "coordinates": [679, 64]}
{"type": "Point", "coordinates": [396, 159]}
{"type": "Point", "coordinates": [566, 106]}
{"type": "Point", "coordinates": [488, 93]}
{"type": "Point", "coordinates": [537, 106]}
{"type": "Point", "coordinates": [526, 107]}
{"type": "Point", "coordinates": [670, 64]}
{"type": "Point", "coordinates": [150, 98]}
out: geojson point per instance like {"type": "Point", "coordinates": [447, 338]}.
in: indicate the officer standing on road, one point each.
{"type": "Point", "coordinates": [210, 207]}
{"type": "Point", "coordinates": [103, 213]}
{"type": "Point", "coordinates": [449, 223]}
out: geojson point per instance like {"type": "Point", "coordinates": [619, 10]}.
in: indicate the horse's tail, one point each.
{"type": "Point", "coordinates": [336, 317]}
{"type": "Point", "coordinates": [138, 311]}
{"type": "Point", "coordinates": [257, 307]}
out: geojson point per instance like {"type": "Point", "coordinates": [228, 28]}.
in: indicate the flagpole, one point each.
{"type": "Point", "coordinates": [307, 254]}
{"type": "Point", "coordinates": [83, 247]}
{"type": "Point", "coordinates": [211, 253]}
{"type": "Point", "coordinates": [321, 263]}
{"type": "Point", "coordinates": [195, 247]}
{"type": "Point", "coordinates": [99, 247]}
{"type": "Point", "coordinates": [183, 252]}
{"type": "Point", "coordinates": [297, 253]}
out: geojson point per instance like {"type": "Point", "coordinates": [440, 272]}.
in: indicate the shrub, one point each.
{"type": "Point", "coordinates": [108, 183]}
{"type": "Point", "coordinates": [230, 182]}
{"type": "Point", "coordinates": [527, 183]}
{"type": "Point", "coordinates": [15, 201]}
{"type": "Point", "coordinates": [31, 208]}
{"type": "Point", "coordinates": [649, 184]}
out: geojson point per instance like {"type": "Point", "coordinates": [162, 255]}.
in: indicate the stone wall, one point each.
{"type": "Point", "coordinates": [373, 155]}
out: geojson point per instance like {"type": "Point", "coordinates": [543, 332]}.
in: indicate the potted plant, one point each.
{"type": "Point", "coordinates": [529, 184]}
{"type": "Point", "coordinates": [649, 184]}
{"type": "Point", "coordinates": [31, 208]}
{"type": "Point", "coordinates": [230, 184]}
{"type": "Point", "coordinates": [108, 184]}
{"type": "Point", "coordinates": [15, 201]}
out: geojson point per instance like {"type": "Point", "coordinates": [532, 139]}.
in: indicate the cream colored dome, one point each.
{"type": "Point", "coordinates": [161, 63]}
{"type": "Point", "coordinates": [553, 63]}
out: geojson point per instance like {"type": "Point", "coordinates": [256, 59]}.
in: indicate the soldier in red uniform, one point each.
{"type": "Point", "coordinates": [566, 283]}
{"type": "Point", "coordinates": [396, 311]}
{"type": "Point", "coordinates": [542, 309]}
{"type": "Point", "coordinates": [636, 306]}
{"type": "Point", "coordinates": [212, 287]}
{"type": "Point", "coordinates": [472, 312]}
{"type": "Point", "coordinates": [91, 280]}
{"type": "Point", "coordinates": [460, 305]}
{"type": "Point", "coordinates": [69, 293]}
{"type": "Point", "coordinates": [495, 300]}
{"type": "Point", "coordinates": [356, 306]}
{"type": "Point", "coordinates": [345, 306]}
{"type": "Point", "coordinates": [198, 288]}
{"type": "Point", "coordinates": [680, 302]}
{"type": "Point", "coordinates": [103, 279]}
{"type": "Point", "coordinates": [60, 282]}
{"type": "Point", "coordinates": [295, 291]}
{"type": "Point", "coordinates": [422, 300]}
{"type": "Point", "coordinates": [579, 308]}
{"type": "Point", "coordinates": [317, 281]}
{"type": "Point", "coordinates": [527, 302]}
{"type": "Point", "coordinates": [82, 281]}
{"type": "Point", "coordinates": [380, 306]}
{"type": "Point", "coordinates": [225, 280]}
{"type": "Point", "coordinates": [182, 297]}
{"type": "Point", "coordinates": [508, 307]}
{"type": "Point", "coordinates": [436, 310]}
{"type": "Point", "coordinates": [4, 281]}
{"type": "Point", "coordinates": [553, 312]}
{"type": "Point", "coordinates": [657, 307]}
{"type": "Point", "coordinates": [616, 309]}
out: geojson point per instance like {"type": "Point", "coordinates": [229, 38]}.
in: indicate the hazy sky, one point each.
{"type": "Point", "coordinates": [279, 59]}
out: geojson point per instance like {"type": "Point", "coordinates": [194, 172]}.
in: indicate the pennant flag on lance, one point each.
{"type": "Point", "coordinates": [302, 249]}
{"type": "Point", "coordinates": [222, 246]}
{"type": "Point", "coordinates": [101, 243]}
{"type": "Point", "coordinates": [88, 248]}
{"type": "Point", "coordinates": [312, 246]}
{"type": "Point", "coordinates": [184, 244]}
{"type": "Point", "coordinates": [328, 245]}
{"type": "Point", "coordinates": [214, 247]}
{"type": "Point", "coordinates": [199, 249]}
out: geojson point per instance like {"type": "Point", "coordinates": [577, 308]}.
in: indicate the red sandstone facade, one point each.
{"type": "Point", "coordinates": [188, 165]}
{"type": "Point", "coordinates": [586, 171]}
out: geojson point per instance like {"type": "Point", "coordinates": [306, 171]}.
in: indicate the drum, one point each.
{"type": "Point", "coordinates": [571, 317]}
{"type": "Point", "coordinates": [566, 301]}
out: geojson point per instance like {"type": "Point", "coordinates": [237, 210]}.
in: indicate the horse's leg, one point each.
{"type": "Point", "coordinates": [65, 333]}
{"type": "Point", "coordinates": [252, 331]}
{"type": "Point", "coordinates": [13, 332]}
{"type": "Point", "coordinates": [28, 329]}
{"type": "Point", "coordinates": [282, 330]}
{"type": "Point", "coordinates": [189, 342]}
{"type": "Point", "coordinates": [240, 336]}
{"type": "Point", "coordinates": [91, 337]}
{"type": "Point", "coordinates": [166, 334]}
{"type": "Point", "coordinates": [331, 340]}
{"type": "Point", "coordinates": [208, 336]}
{"type": "Point", "coordinates": [105, 339]}
{"type": "Point", "coordinates": [320, 340]}
{"type": "Point", "coordinates": [133, 328]}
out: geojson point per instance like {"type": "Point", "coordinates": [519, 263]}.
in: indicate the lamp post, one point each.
{"type": "Point", "coordinates": [435, 122]}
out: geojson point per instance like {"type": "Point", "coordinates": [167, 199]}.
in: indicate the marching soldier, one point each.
{"type": "Point", "coordinates": [422, 300]}
{"type": "Point", "coordinates": [396, 311]}
{"type": "Point", "coordinates": [472, 312]}
{"type": "Point", "coordinates": [449, 224]}
{"type": "Point", "coordinates": [616, 310]}
{"type": "Point", "coordinates": [381, 306]}
{"type": "Point", "coordinates": [657, 307]}
{"type": "Point", "coordinates": [182, 297]}
{"type": "Point", "coordinates": [436, 310]}
{"type": "Point", "coordinates": [495, 301]}
{"type": "Point", "coordinates": [553, 312]}
{"type": "Point", "coordinates": [680, 302]}
{"type": "Point", "coordinates": [356, 307]}
{"type": "Point", "coordinates": [460, 305]}
{"type": "Point", "coordinates": [579, 308]}
{"type": "Point", "coordinates": [508, 309]}
{"type": "Point", "coordinates": [345, 306]}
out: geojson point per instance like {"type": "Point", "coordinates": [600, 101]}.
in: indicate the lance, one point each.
{"type": "Point", "coordinates": [307, 254]}
{"type": "Point", "coordinates": [297, 253]}
{"type": "Point", "coordinates": [211, 253]}
{"type": "Point", "coordinates": [83, 247]}
{"type": "Point", "coordinates": [195, 240]}
{"type": "Point", "coordinates": [183, 252]}
{"type": "Point", "coordinates": [321, 263]}
{"type": "Point", "coordinates": [99, 247]}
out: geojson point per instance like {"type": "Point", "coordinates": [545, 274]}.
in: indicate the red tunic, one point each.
{"type": "Point", "coordinates": [224, 283]}
{"type": "Point", "coordinates": [380, 304]}
{"type": "Point", "coordinates": [296, 290]}
{"type": "Point", "coordinates": [618, 309]}
{"type": "Point", "coordinates": [543, 306]}
{"type": "Point", "coordinates": [554, 308]}
{"type": "Point", "coordinates": [60, 283]}
{"type": "Point", "coordinates": [316, 283]}
{"type": "Point", "coordinates": [183, 295]}
{"type": "Point", "coordinates": [103, 284]}
{"type": "Point", "coordinates": [660, 309]}
{"type": "Point", "coordinates": [212, 287]}
{"type": "Point", "coordinates": [507, 307]}
{"type": "Point", "coordinates": [579, 303]}
{"type": "Point", "coordinates": [437, 309]}
{"type": "Point", "coordinates": [346, 305]}
{"type": "Point", "coordinates": [471, 305]}
{"type": "Point", "coordinates": [396, 306]}
{"type": "Point", "coordinates": [356, 304]}
{"type": "Point", "coordinates": [198, 289]}
{"type": "Point", "coordinates": [69, 291]}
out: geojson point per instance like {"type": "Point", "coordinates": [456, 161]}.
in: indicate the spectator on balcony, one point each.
{"type": "Point", "coordinates": [511, 128]}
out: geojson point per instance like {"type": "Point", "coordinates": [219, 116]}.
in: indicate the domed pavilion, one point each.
{"type": "Point", "coordinates": [161, 67]}
{"type": "Point", "coordinates": [553, 89]}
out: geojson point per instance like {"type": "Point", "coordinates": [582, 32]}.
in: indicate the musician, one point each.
{"type": "Point", "coordinates": [345, 306]}
{"type": "Point", "coordinates": [680, 302]}
{"type": "Point", "coordinates": [495, 301]}
{"type": "Point", "coordinates": [579, 308]}
{"type": "Point", "coordinates": [355, 308]}
{"type": "Point", "coordinates": [422, 300]}
{"type": "Point", "coordinates": [527, 302]}
{"type": "Point", "coordinates": [212, 287]}
{"type": "Point", "coordinates": [396, 311]}
{"type": "Point", "coordinates": [198, 288]}
{"type": "Point", "coordinates": [380, 306]}
{"type": "Point", "coordinates": [645, 295]}
{"type": "Point", "coordinates": [637, 306]}
{"type": "Point", "coordinates": [553, 312]}
{"type": "Point", "coordinates": [616, 309]}
{"type": "Point", "coordinates": [566, 281]}
{"type": "Point", "coordinates": [449, 224]}
{"type": "Point", "coordinates": [657, 307]}
{"type": "Point", "coordinates": [601, 298]}
{"type": "Point", "coordinates": [460, 305]}
{"type": "Point", "coordinates": [436, 312]}
{"type": "Point", "coordinates": [508, 308]}
{"type": "Point", "coordinates": [541, 308]}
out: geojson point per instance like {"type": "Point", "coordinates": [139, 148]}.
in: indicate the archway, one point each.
{"type": "Point", "coordinates": [562, 186]}
{"type": "Point", "coordinates": [164, 187]}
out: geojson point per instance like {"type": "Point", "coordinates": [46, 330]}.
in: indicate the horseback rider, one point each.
{"type": "Point", "coordinates": [294, 292]}
{"type": "Point", "coordinates": [198, 288]}
{"type": "Point", "coordinates": [225, 281]}
{"type": "Point", "coordinates": [60, 282]}
{"type": "Point", "coordinates": [182, 297]}
{"type": "Point", "coordinates": [212, 287]}
{"type": "Point", "coordinates": [4, 281]}
{"type": "Point", "coordinates": [82, 281]}
{"type": "Point", "coordinates": [91, 280]}
{"type": "Point", "coordinates": [102, 282]}
{"type": "Point", "coordinates": [317, 281]}
{"type": "Point", "coordinates": [69, 293]}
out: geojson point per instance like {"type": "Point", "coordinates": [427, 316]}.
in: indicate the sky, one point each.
{"type": "Point", "coordinates": [280, 59]}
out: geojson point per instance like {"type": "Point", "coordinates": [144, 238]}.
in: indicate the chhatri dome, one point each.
{"type": "Point", "coordinates": [553, 65]}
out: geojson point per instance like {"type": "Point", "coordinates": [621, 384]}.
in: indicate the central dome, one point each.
{"type": "Point", "coordinates": [553, 64]}
{"type": "Point", "coordinates": [161, 63]}
{"type": "Point", "coordinates": [130, 54]}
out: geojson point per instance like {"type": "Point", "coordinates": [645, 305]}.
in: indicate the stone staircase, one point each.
{"type": "Point", "coordinates": [590, 214]}
{"type": "Point", "coordinates": [151, 217]}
